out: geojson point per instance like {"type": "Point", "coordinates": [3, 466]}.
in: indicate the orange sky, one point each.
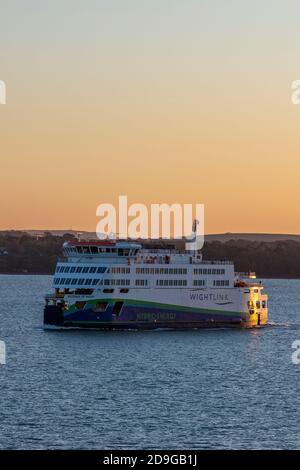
{"type": "Point", "coordinates": [187, 103]}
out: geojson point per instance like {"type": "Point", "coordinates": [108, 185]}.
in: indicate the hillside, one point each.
{"type": "Point", "coordinates": [21, 253]}
{"type": "Point", "coordinates": [222, 237]}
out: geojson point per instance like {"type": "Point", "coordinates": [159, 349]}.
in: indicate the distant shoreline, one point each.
{"type": "Point", "coordinates": [24, 254]}
{"type": "Point", "coordinates": [25, 274]}
{"type": "Point", "coordinates": [208, 237]}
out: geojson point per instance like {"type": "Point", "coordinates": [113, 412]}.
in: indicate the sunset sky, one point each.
{"type": "Point", "coordinates": [162, 100]}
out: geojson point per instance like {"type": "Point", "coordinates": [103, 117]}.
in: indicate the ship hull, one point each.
{"type": "Point", "coordinates": [139, 315]}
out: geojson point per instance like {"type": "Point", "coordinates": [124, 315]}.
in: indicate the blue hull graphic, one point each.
{"type": "Point", "coordinates": [145, 317]}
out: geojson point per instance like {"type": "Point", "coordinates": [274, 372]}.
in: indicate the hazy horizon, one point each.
{"type": "Point", "coordinates": [53, 230]}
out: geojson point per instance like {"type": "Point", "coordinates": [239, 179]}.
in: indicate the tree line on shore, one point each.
{"type": "Point", "coordinates": [21, 253]}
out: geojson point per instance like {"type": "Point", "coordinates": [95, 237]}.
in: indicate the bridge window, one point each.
{"type": "Point", "coordinates": [101, 270]}
{"type": "Point", "coordinates": [123, 251]}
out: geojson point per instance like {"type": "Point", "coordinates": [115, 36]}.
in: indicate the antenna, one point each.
{"type": "Point", "coordinates": [194, 226]}
{"type": "Point", "coordinates": [191, 242]}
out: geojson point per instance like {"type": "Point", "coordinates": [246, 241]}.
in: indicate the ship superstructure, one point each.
{"type": "Point", "coordinates": [123, 285]}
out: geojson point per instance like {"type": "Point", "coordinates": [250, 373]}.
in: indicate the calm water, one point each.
{"type": "Point", "coordinates": [198, 389]}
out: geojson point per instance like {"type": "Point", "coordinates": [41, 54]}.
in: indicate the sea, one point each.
{"type": "Point", "coordinates": [198, 389]}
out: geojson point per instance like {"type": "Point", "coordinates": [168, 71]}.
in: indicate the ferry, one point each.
{"type": "Point", "coordinates": [125, 285]}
